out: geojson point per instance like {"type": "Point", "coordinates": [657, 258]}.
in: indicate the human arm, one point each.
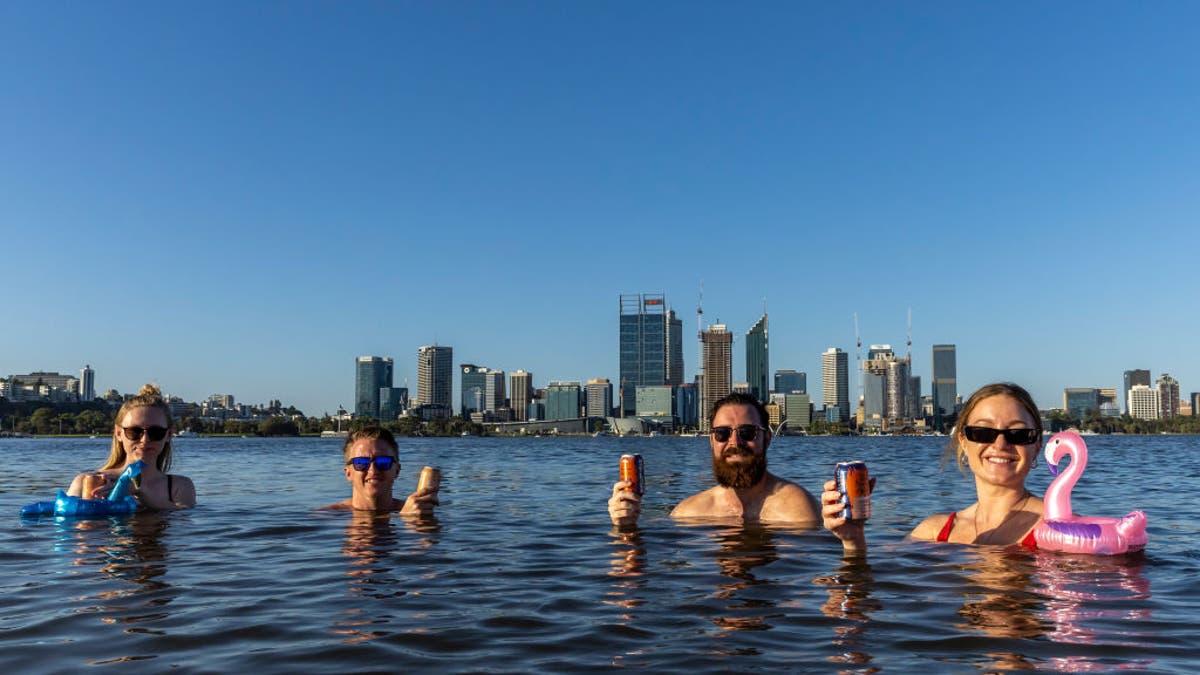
{"type": "Point", "coordinates": [625, 505]}
{"type": "Point", "coordinates": [851, 533]}
{"type": "Point", "coordinates": [184, 496]}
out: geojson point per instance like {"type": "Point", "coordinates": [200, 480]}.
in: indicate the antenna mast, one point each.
{"type": "Point", "coordinates": [858, 358]}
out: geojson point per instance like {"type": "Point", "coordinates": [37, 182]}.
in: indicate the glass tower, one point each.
{"type": "Point", "coordinates": [371, 374]}
{"type": "Point", "coordinates": [835, 382]}
{"type": "Point", "coordinates": [757, 360]}
{"type": "Point", "coordinates": [643, 345]}
{"type": "Point", "coordinates": [945, 385]}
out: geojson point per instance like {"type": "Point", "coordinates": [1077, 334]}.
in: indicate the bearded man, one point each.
{"type": "Point", "coordinates": [739, 437]}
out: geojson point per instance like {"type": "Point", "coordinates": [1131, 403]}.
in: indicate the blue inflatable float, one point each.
{"type": "Point", "coordinates": [119, 501]}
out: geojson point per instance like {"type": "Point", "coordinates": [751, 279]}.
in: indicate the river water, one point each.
{"type": "Point", "coordinates": [521, 570]}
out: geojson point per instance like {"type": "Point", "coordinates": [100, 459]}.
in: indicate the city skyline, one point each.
{"type": "Point", "coordinates": [249, 201]}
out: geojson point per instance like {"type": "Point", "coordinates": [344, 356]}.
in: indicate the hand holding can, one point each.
{"type": "Point", "coordinates": [431, 479]}
{"type": "Point", "coordinates": [91, 482]}
{"type": "Point", "coordinates": [854, 483]}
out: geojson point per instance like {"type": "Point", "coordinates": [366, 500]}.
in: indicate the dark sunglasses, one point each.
{"type": "Point", "coordinates": [382, 463]}
{"type": "Point", "coordinates": [152, 433]}
{"type": "Point", "coordinates": [1013, 436]}
{"type": "Point", "coordinates": [745, 433]}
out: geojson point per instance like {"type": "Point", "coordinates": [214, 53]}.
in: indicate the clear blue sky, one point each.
{"type": "Point", "coordinates": [242, 197]}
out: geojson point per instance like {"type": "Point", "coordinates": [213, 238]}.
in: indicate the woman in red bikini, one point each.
{"type": "Point", "coordinates": [998, 437]}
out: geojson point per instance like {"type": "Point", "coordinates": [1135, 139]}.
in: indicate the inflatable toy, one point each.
{"type": "Point", "coordinates": [1060, 530]}
{"type": "Point", "coordinates": [119, 501]}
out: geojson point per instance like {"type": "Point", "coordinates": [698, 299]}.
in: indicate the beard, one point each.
{"type": "Point", "coordinates": [739, 475]}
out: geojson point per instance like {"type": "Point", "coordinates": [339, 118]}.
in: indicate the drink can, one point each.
{"type": "Point", "coordinates": [431, 478]}
{"type": "Point", "coordinates": [855, 485]}
{"type": "Point", "coordinates": [633, 471]}
{"type": "Point", "coordinates": [91, 481]}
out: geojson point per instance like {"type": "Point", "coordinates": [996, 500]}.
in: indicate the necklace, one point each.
{"type": "Point", "coordinates": [991, 534]}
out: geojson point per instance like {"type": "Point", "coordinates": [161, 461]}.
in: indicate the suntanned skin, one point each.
{"type": "Point", "coordinates": [771, 499]}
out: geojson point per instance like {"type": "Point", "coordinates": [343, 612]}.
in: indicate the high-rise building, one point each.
{"type": "Point", "coordinates": [674, 349]}
{"type": "Point", "coordinates": [1079, 401]}
{"type": "Point", "coordinates": [520, 392]}
{"type": "Point", "coordinates": [835, 382]}
{"type": "Point", "coordinates": [599, 397]}
{"type": "Point", "coordinates": [944, 386]}
{"type": "Point", "coordinates": [791, 382]}
{"type": "Point", "coordinates": [643, 345]}
{"type": "Point", "coordinates": [87, 383]}
{"type": "Point", "coordinates": [797, 411]}
{"type": "Point", "coordinates": [472, 386]}
{"type": "Point", "coordinates": [717, 357]}
{"type": "Point", "coordinates": [1195, 398]}
{"type": "Point", "coordinates": [757, 367]}
{"type": "Point", "coordinates": [1109, 403]}
{"type": "Point", "coordinates": [370, 375]}
{"type": "Point", "coordinates": [1132, 377]}
{"type": "Point", "coordinates": [897, 386]}
{"type": "Point", "coordinates": [687, 405]}
{"type": "Point", "coordinates": [1168, 389]}
{"type": "Point", "coordinates": [391, 401]}
{"type": "Point", "coordinates": [562, 400]}
{"type": "Point", "coordinates": [435, 372]}
{"type": "Point", "coordinates": [494, 397]}
{"type": "Point", "coordinates": [1145, 403]}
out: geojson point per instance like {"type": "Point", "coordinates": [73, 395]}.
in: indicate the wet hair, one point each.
{"type": "Point", "coordinates": [371, 433]}
{"type": "Point", "coordinates": [954, 450]}
{"type": "Point", "coordinates": [149, 396]}
{"type": "Point", "coordinates": [738, 398]}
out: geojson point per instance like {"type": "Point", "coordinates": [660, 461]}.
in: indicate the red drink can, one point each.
{"type": "Point", "coordinates": [634, 471]}
{"type": "Point", "coordinates": [431, 477]}
{"type": "Point", "coordinates": [855, 485]}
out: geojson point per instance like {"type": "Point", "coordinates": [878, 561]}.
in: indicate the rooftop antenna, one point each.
{"type": "Point", "coordinates": [908, 345]}
{"type": "Point", "coordinates": [858, 358]}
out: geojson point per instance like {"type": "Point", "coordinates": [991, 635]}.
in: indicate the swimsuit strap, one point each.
{"type": "Point", "coordinates": [944, 535]}
{"type": "Point", "coordinates": [170, 492]}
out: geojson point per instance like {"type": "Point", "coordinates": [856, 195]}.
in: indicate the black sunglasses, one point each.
{"type": "Point", "coordinates": [153, 433]}
{"type": "Point", "coordinates": [382, 463]}
{"type": "Point", "coordinates": [1013, 436]}
{"type": "Point", "coordinates": [745, 433]}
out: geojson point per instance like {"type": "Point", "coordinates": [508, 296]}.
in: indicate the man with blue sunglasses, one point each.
{"type": "Point", "coordinates": [738, 438]}
{"type": "Point", "coordinates": [372, 463]}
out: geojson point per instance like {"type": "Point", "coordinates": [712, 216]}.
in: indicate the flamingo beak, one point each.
{"type": "Point", "coordinates": [1053, 468]}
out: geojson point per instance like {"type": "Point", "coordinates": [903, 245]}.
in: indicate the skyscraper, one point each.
{"type": "Point", "coordinates": [1168, 389]}
{"type": "Point", "coordinates": [674, 349]}
{"type": "Point", "coordinates": [1132, 377]}
{"type": "Point", "coordinates": [717, 358]}
{"type": "Point", "coordinates": [599, 398]}
{"type": "Point", "coordinates": [835, 382]}
{"type": "Point", "coordinates": [791, 382]}
{"type": "Point", "coordinates": [494, 397]}
{"type": "Point", "coordinates": [757, 367]}
{"type": "Point", "coordinates": [562, 400]}
{"type": "Point", "coordinates": [945, 385]}
{"type": "Point", "coordinates": [371, 373]}
{"type": "Point", "coordinates": [435, 376]}
{"type": "Point", "coordinates": [472, 387]}
{"type": "Point", "coordinates": [1145, 403]}
{"type": "Point", "coordinates": [643, 345]}
{"type": "Point", "coordinates": [87, 383]}
{"type": "Point", "coordinates": [520, 392]}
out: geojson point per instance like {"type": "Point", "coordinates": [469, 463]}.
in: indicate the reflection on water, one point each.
{"type": "Point", "coordinates": [850, 599]}
{"type": "Point", "coordinates": [740, 550]}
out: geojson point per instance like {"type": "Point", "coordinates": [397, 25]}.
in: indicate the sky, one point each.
{"type": "Point", "coordinates": [243, 197]}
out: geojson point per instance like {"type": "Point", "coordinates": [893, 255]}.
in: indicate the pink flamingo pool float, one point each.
{"type": "Point", "coordinates": [1060, 530]}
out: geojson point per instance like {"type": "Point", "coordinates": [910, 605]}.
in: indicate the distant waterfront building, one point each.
{"type": "Point", "coordinates": [520, 392]}
{"type": "Point", "coordinates": [791, 382]}
{"type": "Point", "coordinates": [1132, 377]}
{"type": "Point", "coordinates": [774, 414]}
{"type": "Point", "coordinates": [599, 397]}
{"type": "Point", "coordinates": [1079, 401]}
{"type": "Point", "coordinates": [562, 400]}
{"type": "Point", "coordinates": [225, 401]}
{"type": "Point", "coordinates": [674, 349]}
{"type": "Point", "coordinates": [944, 386]}
{"type": "Point", "coordinates": [643, 345]}
{"type": "Point", "coordinates": [741, 388]}
{"type": "Point", "coordinates": [1109, 404]}
{"type": "Point", "coordinates": [797, 411]}
{"type": "Point", "coordinates": [687, 405]}
{"type": "Point", "coordinates": [1168, 391]}
{"type": "Point", "coordinates": [717, 357]}
{"type": "Point", "coordinates": [494, 397]}
{"type": "Point", "coordinates": [87, 383]}
{"type": "Point", "coordinates": [835, 383]}
{"type": "Point", "coordinates": [435, 372]}
{"type": "Point", "coordinates": [656, 404]}
{"type": "Point", "coordinates": [371, 373]}
{"type": "Point", "coordinates": [472, 387]}
{"type": "Point", "coordinates": [757, 359]}
{"type": "Point", "coordinates": [391, 401]}
{"type": "Point", "coordinates": [1145, 403]}
{"type": "Point", "coordinates": [1196, 403]}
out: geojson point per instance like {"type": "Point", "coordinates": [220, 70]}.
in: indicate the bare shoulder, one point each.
{"type": "Point", "coordinates": [337, 506]}
{"type": "Point", "coordinates": [930, 527]}
{"type": "Point", "coordinates": [790, 502]}
{"type": "Point", "coordinates": [697, 506]}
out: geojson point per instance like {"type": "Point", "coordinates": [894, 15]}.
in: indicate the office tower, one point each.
{"type": "Point", "coordinates": [897, 385]}
{"type": "Point", "coordinates": [791, 382]}
{"type": "Point", "coordinates": [562, 400]}
{"type": "Point", "coordinates": [87, 383]}
{"type": "Point", "coordinates": [687, 405]}
{"type": "Point", "coordinates": [797, 411]}
{"type": "Point", "coordinates": [1079, 401]}
{"type": "Point", "coordinates": [757, 368]}
{"type": "Point", "coordinates": [674, 349]}
{"type": "Point", "coordinates": [914, 394]}
{"type": "Point", "coordinates": [599, 398]}
{"type": "Point", "coordinates": [1109, 406]}
{"type": "Point", "coordinates": [391, 401]}
{"type": "Point", "coordinates": [520, 392]}
{"type": "Point", "coordinates": [1168, 389]}
{"type": "Point", "coordinates": [1145, 403]}
{"type": "Point", "coordinates": [657, 404]}
{"type": "Point", "coordinates": [1132, 377]}
{"type": "Point", "coordinates": [717, 357]}
{"type": "Point", "coordinates": [643, 345]}
{"type": "Point", "coordinates": [494, 396]}
{"type": "Point", "coordinates": [435, 376]}
{"type": "Point", "coordinates": [472, 387]}
{"type": "Point", "coordinates": [741, 388]}
{"type": "Point", "coordinates": [835, 383]}
{"type": "Point", "coordinates": [945, 386]}
{"type": "Point", "coordinates": [371, 373]}
{"type": "Point", "coordinates": [1195, 398]}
